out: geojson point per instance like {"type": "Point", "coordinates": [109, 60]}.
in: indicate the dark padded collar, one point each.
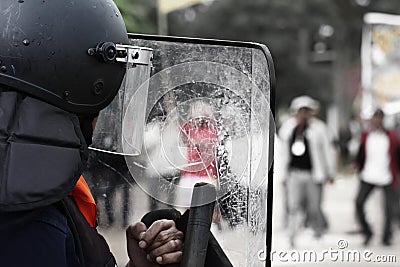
{"type": "Point", "coordinates": [42, 152]}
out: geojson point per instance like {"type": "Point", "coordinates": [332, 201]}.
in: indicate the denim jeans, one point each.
{"type": "Point", "coordinates": [301, 187]}
{"type": "Point", "coordinates": [363, 194]}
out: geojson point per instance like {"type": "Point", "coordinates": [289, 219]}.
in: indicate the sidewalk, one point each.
{"type": "Point", "coordinates": [339, 207]}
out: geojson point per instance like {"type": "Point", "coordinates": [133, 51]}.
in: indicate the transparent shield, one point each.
{"type": "Point", "coordinates": [208, 119]}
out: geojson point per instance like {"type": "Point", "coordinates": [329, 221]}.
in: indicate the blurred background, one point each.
{"type": "Point", "coordinates": [317, 50]}
{"type": "Point", "coordinates": [316, 44]}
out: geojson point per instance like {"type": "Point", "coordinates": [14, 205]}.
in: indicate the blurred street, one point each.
{"type": "Point", "coordinates": [339, 209]}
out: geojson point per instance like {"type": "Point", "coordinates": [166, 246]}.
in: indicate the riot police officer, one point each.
{"type": "Point", "coordinates": [61, 62]}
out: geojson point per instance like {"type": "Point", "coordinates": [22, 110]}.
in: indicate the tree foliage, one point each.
{"type": "Point", "coordinates": [139, 15]}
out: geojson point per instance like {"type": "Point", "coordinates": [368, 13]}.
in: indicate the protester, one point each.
{"type": "Point", "coordinates": [199, 137]}
{"type": "Point", "coordinates": [307, 161]}
{"type": "Point", "coordinates": [378, 165]}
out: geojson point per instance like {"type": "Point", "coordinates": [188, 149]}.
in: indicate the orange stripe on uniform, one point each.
{"type": "Point", "coordinates": [85, 201]}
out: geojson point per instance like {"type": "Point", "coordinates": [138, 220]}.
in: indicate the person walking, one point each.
{"type": "Point", "coordinates": [307, 161]}
{"type": "Point", "coordinates": [378, 166]}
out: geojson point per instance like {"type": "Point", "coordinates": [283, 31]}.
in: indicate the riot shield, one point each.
{"type": "Point", "coordinates": [208, 117]}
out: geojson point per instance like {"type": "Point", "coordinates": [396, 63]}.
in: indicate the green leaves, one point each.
{"type": "Point", "coordinates": [139, 15]}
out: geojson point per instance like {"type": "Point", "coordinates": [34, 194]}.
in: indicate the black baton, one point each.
{"type": "Point", "coordinates": [199, 223]}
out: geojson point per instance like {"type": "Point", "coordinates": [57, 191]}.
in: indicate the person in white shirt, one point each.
{"type": "Point", "coordinates": [377, 161]}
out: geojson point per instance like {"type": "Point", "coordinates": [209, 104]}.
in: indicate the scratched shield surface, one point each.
{"type": "Point", "coordinates": [207, 119]}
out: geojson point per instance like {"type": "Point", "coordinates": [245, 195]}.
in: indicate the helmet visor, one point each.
{"type": "Point", "coordinates": [119, 128]}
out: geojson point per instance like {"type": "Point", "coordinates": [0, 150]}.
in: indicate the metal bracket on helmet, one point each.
{"type": "Point", "coordinates": [110, 52]}
{"type": "Point", "coordinates": [135, 55]}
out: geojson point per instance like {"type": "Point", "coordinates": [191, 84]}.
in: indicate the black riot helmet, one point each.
{"type": "Point", "coordinates": [64, 52]}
